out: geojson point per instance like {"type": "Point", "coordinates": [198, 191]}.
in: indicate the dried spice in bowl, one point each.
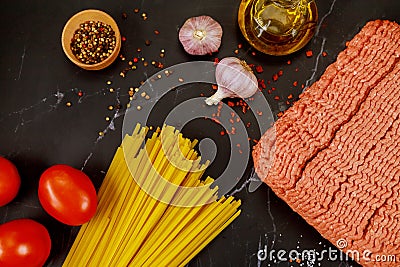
{"type": "Point", "coordinates": [93, 42]}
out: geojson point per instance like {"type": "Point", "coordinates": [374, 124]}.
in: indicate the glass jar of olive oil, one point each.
{"type": "Point", "coordinates": [278, 27]}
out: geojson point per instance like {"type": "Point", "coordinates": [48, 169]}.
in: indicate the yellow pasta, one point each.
{"type": "Point", "coordinates": [140, 220]}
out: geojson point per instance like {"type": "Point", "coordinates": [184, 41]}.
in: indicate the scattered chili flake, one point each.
{"type": "Point", "coordinates": [237, 145]}
{"type": "Point", "coordinates": [216, 61]}
{"type": "Point", "coordinates": [139, 50]}
{"type": "Point", "coordinates": [147, 42]}
{"type": "Point", "coordinates": [231, 104]}
{"type": "Point", "coordinates": [156, 32]}
{"type": "Point", "coordinates": [289, 62]}
{"type": "Point", "coordinates": [214, 87]}
{"type": "Point", "coordinates": [124, 15]}
{"type": "Point", "coordinates": [130, 93]}
{"type": "Point", "coordinates": [302, 86]}
{"type": "Point", "coordinates": [135, 59]}
{"type": "Point", "coordinates": [231, 121]}
{"type": "Point", "coordinates": [181, 80]}
{"type": "Point", "coordinates": [222, 133]}
{"type": "Point", "coordinates": [269, 91]}
{"type": "Point", "coordinates": [248, 124]}
{"type": "Point", "coordinates": [296, 70]}
{"type": "Point", "coordinates": [253, 53]}
{"type": "Point", "coordinates": [295, 83]}
{"type": "Point", "coordinates": [145, 63]}
{"type": "Point", "coordinates": [259, 113]}
{"type": "Point", "coordinates": [324, 54]}
{"type": "Point", "coordinates": [259, 69]}
{"type": "Point", "coordinates": [275, 77]}
{"type": "Point", "coordinates": [123, 38]}
{"type": "Point", "coordinates": [280, 73]}
{"type": "Point", "coordinates": [160, 65]}
{"type": "Point", "coordinates": [290, 96]}
{"type": "Point", "coordinates": [309, 53]}
{"type": "Point", "coordinates": [287, 102]}
{"type": "Point", "coordinates": [136, 10]}
{"type": "Point", "coordinates": [240, 46]}
{"type": "Point", "coordinates": [238, 119]}
{"type": "Point", "coordinates": [162, 55]}
{"type": "Point", "coordinates": [347, 43]}
{"type": "Point", "coordinates": [277, 97]}
{"type": "Point", "coordinates": [80, 93]}
{"type": "Point", "coordinates": [236, 51]}
{"type": "Point", "coordinates": [273, 88]}
{"type": "Point", "coordinates": [262, 83]}
{"type": "Point", "coordinates": [280, 114]}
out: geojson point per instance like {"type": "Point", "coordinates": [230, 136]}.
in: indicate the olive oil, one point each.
{"type": "Point", "coordinates": [278, 27]}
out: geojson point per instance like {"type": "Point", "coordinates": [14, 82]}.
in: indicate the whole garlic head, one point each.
{"type": "Point", "coordinates": [234, 79]}
{"type": "Point", "coordinates": [200, 35]}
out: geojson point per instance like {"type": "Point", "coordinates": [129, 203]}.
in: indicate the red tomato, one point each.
{"type": "Point", "coordinates": [9, 181]}
{"type": "Point", "coordinates": [25, 243]}
{"type": "Point", "coordinates": [67, 194]}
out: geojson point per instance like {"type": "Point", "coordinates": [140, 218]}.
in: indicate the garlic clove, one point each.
{"type": "Point", "coordinates": [200, 35]}
{"type": "Point", "coordinates": [234, 79]}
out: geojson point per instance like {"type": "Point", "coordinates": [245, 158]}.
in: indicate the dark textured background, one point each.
{"type": "Point", "coordinates": [38, 130]}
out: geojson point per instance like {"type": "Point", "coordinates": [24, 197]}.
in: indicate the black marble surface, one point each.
{"type": "Point", "coordinates": [39, 130]}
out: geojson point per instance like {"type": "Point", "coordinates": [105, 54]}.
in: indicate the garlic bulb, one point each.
{"type": "Point", "coordinates": [234, 79]}
{"type": "Point", "coordinates": [200, 35]}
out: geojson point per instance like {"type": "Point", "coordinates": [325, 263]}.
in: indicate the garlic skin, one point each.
{"type": "Point", "coordinates": [200, 35]}
{"type": "Point", "coordinates": [234, 79]}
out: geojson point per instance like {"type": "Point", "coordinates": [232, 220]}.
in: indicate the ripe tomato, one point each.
{"type": "Point", "coordinates": [67, 194]}
{"type": "Point", "coordinates": [25, 243]}
{"type": "Point", "coordinates": [9, 181]}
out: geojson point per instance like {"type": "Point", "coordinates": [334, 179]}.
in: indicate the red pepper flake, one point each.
{"type": "Point", "coordinates": [136, 10]}
{"type": "Point", "coordinates": [160, 65]}
{"type": "Point", "coordinates": [216, 61]}
{"type": "Point", "coordinates": [156, 32]}
{"type": "Point", "coordinates": [255, 141]}
{"type": "Point", "coordinates": [248, 124]}
{"type": "Point", "coordinates": [135, 59]}
{"type": "Point", "coordinates": [290, 96]}
{"type": "Point", "coordinates": [253, 53]}
{"type": "Point", "coordinates": [214, 87]}
{"type": "Point", "coordinates": [240, 151]}
{"type": "Point", "coordinates": [269, 91]}
{"type": "Point", "coordinates": [287, 102]}
{"type": "Point", "coordinates": [296, 70]}
{"type": "Point", "coordinates": [216, 120]}
{"type": "Point", "coordinates": [244, 110]}
{"type": "Point", "coordinates": [295, 83]}
{"type": "Point", "coordinates": [289, 62]}
{"type": "Point", "coordinates": [240, 46]}
{"type": "Point", "coordinates": [259, 113]}
{"type": "Point", "coordinates": [277, 98]}
{"type": "Point", "coordinates": [262, 83]}
{"type": "Point", "coordinates": [123, 38]}
{"type": "Point", "coordinates": [251, 65]}
{"type": "Point", "coordinates": [280, 114]}
{"type": "Point", "coordinates": [347, 43]}
{"type": "Point", "coordinates": [237, 145]}
{"type": "Point", "coordinates": [237, 119]}
{"type": "Point", "coordinates": [231, 121]}
{"type": "Point", "coordinates": [280, 73]}
{"type": "Point", "coordinates": [309, 53]}
{"type": "Point", "coordinates": [324, 54]}
{"type": "Point", "coordinates": [201, 94]}
{"type": "Point", "coordinates": [222, 133]}
{"type": "Point", "coordinates": [124, 15]}
{"type": "Point", "coordinates": [232, 114]}
{"type": "Point", "coordinates": [231, 104]}
{"type": "Point", "coordinates": [259, 69]}
{"type": "Point", "coordinates": [236, 51]}
{"type": "Point", "coordinates": [273, 88]}
{"type": "Point", "coordinates": [275, 77]}
{"type": "Point", "coordinates": [80, 93]}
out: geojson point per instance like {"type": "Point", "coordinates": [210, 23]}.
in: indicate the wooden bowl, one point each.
{"type": "Point", "coordinates": [73, 24]}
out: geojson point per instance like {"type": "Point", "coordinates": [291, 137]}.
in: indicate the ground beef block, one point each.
{"type": "Point", "coordinates": [334, 156]}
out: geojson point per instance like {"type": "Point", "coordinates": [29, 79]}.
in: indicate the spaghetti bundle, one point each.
{"type": "Point", "coordinates": [148, 214]}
